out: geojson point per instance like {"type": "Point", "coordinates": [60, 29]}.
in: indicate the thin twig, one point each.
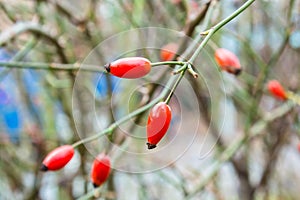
{"type": "Point", "coordinates": [52, 66]}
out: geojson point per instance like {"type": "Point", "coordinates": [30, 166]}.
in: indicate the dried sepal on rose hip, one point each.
{"type": "Point", "coordinates": [168, 51]}
{"type": "Point", "coordinates": [228, 61]}
{"type": "Point", "coordinates": [131, 67]}
{"type": "Point", "coordinates": [58, 158]}
{"type": "Point", "coordinates": [100, 169]}
{"type": "Point", "coordinates": [276, 89]}
{"type": "Point", "coordinates": [158, 123]}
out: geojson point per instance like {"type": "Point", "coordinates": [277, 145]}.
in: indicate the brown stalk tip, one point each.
{"type": "Point", "coordinates": [95, 185]}
{"type": "Point", "coordinates": [107, 67]}
{"type": "Point", "coordinates": [237, 72]}
{"type": "Point", "coordinates": [44, 168]}
{"type": "Point", "coordinates": [151, 146]}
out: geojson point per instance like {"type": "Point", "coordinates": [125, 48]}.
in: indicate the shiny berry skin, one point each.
{"type": "Point", "coordinates": [228, 61]}
{"type": "Point", "coordinates": [131, 67]}
{"type": "Point", "coordinates": [58, 158]}
{"type": "Point", "coordinates": [158, 123]}
{"type": "Point", "coordinates": [168, 52]}
{"type": "Point", "coordinates": [100, 170]}
{"type": "Point", "coordinates": [276, 89]}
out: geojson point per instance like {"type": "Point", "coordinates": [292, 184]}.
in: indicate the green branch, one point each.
{"type": "Point", "coordinates": [208, 36]}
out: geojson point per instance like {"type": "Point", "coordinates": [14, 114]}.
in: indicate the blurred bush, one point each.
{"type": "Point", "coordinates": [40, 109]}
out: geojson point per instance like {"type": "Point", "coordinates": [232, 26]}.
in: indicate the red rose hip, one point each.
{"type": "Point", "coordinates": [58, 158]}
{"type": "Point", "coordinates": [100, 170]}
{"type": "Point", "coordinates": [228, 61]}
{"type": "Point", "coordinates": [276, 89]}
{"type": "Point", "coordinates": [131, 67]}
{"type": "Point", "coordinates": [158, 123]}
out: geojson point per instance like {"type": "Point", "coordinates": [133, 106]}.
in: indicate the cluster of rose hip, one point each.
{"type": "Point", "coordinates": [160, 115]}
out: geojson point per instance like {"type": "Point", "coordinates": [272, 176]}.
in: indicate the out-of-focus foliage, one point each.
{"type": "Point", "coordinates": [40, 109]}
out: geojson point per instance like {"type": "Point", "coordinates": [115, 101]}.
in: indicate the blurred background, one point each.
{"type": "Point", "coordinates": [228, 139]}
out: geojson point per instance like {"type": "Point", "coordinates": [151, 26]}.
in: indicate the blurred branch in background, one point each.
{"type": "Point", "coordinates": [44, 46]}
